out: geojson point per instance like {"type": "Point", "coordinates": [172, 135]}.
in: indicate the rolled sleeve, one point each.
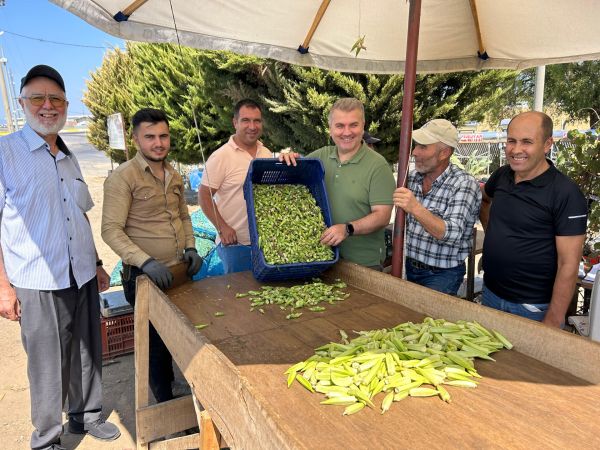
{"type": "Point", "coordinates": [465, 203]}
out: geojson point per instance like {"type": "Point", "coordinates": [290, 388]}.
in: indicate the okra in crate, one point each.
{"type": "Point", "coordinates": [287, 213]}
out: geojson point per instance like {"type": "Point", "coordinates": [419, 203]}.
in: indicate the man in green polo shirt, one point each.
{"type": "Point", "coordinates": [359, 184]}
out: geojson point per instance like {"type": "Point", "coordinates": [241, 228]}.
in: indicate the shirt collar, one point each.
{"type": "Point", "coordinates": [543, 179]}
{"type": "Point", "coordinates": [36, 142]}
{"type": "Point", "coordinates": [362, 151]}
{"type": "Point", "coordinates": [139, 159]}
{"type": "Point", "coordinates": [441, 177]}
{"type": "Point", "coordinates": [233, 145]}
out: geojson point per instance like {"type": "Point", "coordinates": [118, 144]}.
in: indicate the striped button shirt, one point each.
{"type": "Point", "coordinates": [455, 197]}
{"type": "Point", "coordinates": [42, 201]}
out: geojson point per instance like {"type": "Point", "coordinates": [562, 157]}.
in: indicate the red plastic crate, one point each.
{"type": "Point", "coordinates": [117, 335]}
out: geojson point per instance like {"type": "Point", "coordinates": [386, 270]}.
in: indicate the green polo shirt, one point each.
{"type": "Point", "coordinates": [352, 188]}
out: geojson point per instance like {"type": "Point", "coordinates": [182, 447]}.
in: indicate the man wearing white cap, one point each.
{"type": "Point", "coordinates": [442, 204]}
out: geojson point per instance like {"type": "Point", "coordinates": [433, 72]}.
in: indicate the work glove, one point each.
{"type": "Point", "coordinates": [194, 260]}
{"type": "Point", "coordinates": [158, 273]}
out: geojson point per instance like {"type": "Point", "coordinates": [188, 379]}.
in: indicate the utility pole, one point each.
{"type": "Point", "coordinates": [7, 109]}
{"type": "Point", "coordinates": [540, 78]}
{"type": "Point", "coordinates": [14, 100]}
{"type": "Point", "coordinates": [5, 94]}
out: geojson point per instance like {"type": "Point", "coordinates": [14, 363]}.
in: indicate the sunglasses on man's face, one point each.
{"type": "Point", "coordinates": [39, 100]}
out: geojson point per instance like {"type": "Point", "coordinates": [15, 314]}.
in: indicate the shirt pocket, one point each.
{"type": "Point", "coordinates": [82, 196]}
{"type": "Point", "coordinates": [146, 202]}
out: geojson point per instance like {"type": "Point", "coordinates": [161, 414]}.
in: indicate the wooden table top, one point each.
{"type": "Point", "coordinates": [520, 403]}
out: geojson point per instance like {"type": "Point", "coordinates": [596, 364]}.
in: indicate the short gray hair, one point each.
{"type": "Point", "coordinates": [347, 104]}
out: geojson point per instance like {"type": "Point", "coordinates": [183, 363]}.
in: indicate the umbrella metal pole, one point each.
{"type": "Point", "coordinates": [406, 125]}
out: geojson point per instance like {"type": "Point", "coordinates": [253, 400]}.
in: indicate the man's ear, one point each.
{"type": "Point", "coordinates": [548, 145]}
{"type": "Point", "coordinates": [135, 141]}
{"type": "Point", "coordinates": [447, 151]}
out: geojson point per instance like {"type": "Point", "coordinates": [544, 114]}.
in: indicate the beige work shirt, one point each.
{"type": "Point", "coordinates": [143, 217]}
{"type": "Point", "coordinates": [226, 171]}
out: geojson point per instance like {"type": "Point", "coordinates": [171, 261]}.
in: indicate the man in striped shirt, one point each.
{"type": "Point", "coordinates": [50, 273]}
{"type": "Point", "coordinates": [442, 204]}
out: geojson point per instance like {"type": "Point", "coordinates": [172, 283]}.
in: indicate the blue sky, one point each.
{"type": "Point", "coordinates": [41, 19]}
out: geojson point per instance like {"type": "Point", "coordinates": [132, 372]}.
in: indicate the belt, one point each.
{"type": "Point", "coordinates": [419, 265]}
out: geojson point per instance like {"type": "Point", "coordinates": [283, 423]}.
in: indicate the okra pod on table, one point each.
{"type": "Point", "coordinates": [353, 372]}
{"type": "Point", "coordinates": [289, 224]}
{"type": "Point", "coordinates": [308, 295]}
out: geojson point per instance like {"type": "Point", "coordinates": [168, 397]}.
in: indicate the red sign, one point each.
{"type": "Point", "coordinates": [475, 137]}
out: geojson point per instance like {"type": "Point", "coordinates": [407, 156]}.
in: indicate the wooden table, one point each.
{"type": "Point", "coordinates": [543, 394]}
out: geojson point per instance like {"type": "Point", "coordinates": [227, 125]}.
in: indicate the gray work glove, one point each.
{"type": "Point", "coordinates": [194, 260]}
{"type": "Point", "coordinates": [159, 273]}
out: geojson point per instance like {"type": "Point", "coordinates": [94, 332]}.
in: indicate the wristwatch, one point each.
{"type": "Point", "coordinates": [349, 229]}
{"type": "Point", "coordinates": [99, 263]}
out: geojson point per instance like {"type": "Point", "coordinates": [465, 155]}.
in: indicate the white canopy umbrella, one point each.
{"type": "Point", "coordinates": [368, 36]}
{"type": "Point", "coordinates": [515, 34]}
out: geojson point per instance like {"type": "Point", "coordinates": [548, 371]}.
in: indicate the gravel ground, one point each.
{"type": "Point", "coordinates": [118, 374]}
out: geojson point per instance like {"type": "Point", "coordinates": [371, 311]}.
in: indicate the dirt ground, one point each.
{"type": "Point", "coordinates": [118, 374]}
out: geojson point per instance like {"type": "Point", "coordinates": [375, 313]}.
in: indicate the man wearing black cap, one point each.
{"type": "Point", "coordinates": [50, 273]}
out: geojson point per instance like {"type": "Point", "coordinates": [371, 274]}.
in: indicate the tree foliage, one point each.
{"type": "Point", "coordinates": [108, 92]}
{"type": "Point", "coordinates": [575, 89]}
{"type": "Point", "coordinates": [579, 159]}
{"type": "Point", "coordinates": [296, 100]}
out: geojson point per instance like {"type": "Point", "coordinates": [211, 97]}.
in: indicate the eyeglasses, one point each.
{"type": "Point", "coordinates": [39, 100]}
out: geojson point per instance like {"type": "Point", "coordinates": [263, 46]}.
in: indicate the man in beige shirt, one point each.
{"type": "Point", "coordinates": [224, 177]}
{"type": "Point", "coordinates": [145, 221]}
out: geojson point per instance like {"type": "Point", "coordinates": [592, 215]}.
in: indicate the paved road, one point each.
{"type": "Point", "coordinates": [93, 162]}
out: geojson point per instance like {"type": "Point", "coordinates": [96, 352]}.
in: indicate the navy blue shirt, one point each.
{"type": "Point", "coordinates": [519, 250]}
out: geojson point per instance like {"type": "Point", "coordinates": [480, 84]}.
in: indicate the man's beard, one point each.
{"type": "Point", "coordinates": [149, 158]}
{"type": "Point", "coordinates": [42, 129]}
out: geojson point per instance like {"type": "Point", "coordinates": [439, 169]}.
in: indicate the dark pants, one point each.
{"type": "Point", "coordinates": [161, 362]}
{"type": "Point", "coordinates": [443, 280]}
{"type": "Point", "coordinates": [60, 331]}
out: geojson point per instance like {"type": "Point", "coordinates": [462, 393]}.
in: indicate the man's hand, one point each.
{"type": "Point", "coordinates": [194, 261]}
{"type": "Point", "coordinates": [289, 157]}
{"type": "Point", "coordinates": [405, 199]}
{"type": "Point", "coordinates": [103, 279]}
{"type": "Point", "coordinates": [158, 273]}
{"type": "Point", "coordinates": [553, 321]}
{"type": "Point", "coordinates": [334, 235]}
{"type": "Point", "coordinates": [227, 234]}
{"type": "Point", "coordinates": [9, 305]}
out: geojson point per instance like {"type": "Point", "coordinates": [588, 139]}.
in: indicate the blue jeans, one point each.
{"type": "Point", "coordinates": [533, 311]}
{"type": "Point", "coordinates": [235, 258]}
{"type": "Point", "coordinates": [443, 280]}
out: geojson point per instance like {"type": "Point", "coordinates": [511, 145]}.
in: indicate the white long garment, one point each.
{"type": "Point", "coordinates": [42, 203]}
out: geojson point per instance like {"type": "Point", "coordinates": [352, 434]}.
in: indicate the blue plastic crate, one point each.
{"type": "Point", "coordinates": [308, 172]}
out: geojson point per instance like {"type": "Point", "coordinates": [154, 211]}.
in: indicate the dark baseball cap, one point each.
{"type": "Point", "coordinates": [370, 139]}
{"type": "Point", "coordinates": [43, 71]}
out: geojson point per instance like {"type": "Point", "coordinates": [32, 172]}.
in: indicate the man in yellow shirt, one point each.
{"type": "Point", "coordinates": [145, 221]}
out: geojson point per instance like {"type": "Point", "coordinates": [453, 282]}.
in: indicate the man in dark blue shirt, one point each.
{"type": "Point", "coordinates": [535, 220]}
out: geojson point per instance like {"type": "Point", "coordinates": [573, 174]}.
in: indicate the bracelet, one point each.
{"type": "Point", "coordinates": [99, 263]}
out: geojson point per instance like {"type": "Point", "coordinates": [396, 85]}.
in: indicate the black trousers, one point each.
{"type": "Point", "coordinates": [161, 362]}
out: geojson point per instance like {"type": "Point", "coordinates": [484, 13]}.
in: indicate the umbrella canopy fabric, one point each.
{"type": "Point", "coordinates": [514, 34]}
